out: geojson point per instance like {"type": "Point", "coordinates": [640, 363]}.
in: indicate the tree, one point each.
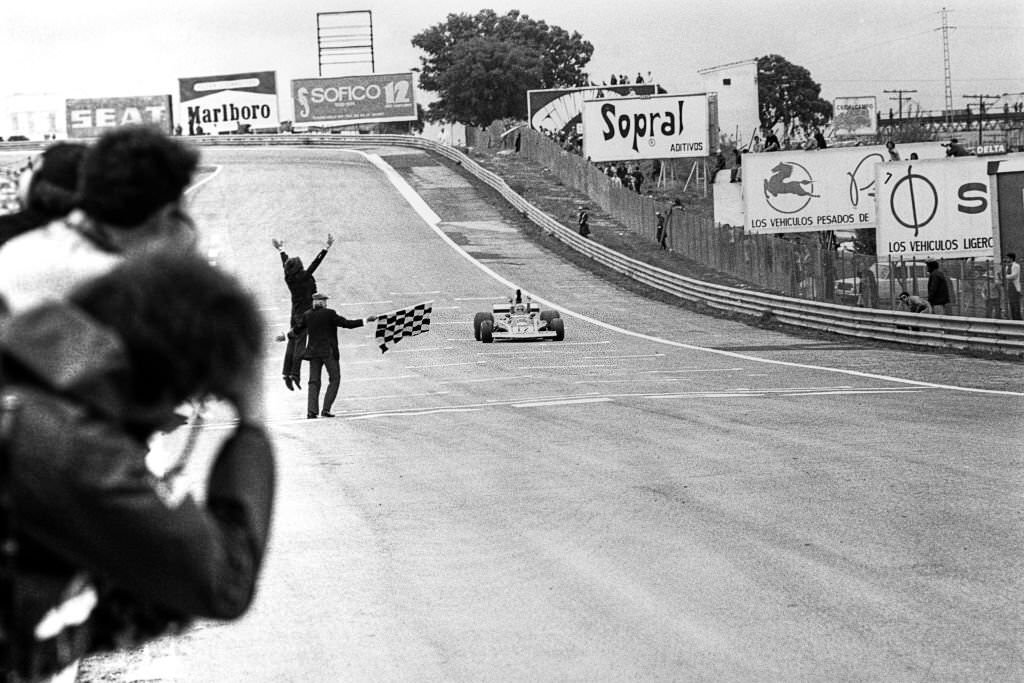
{"type": "Point", "coordinates": [787, 93]}
{"type": "Point", "coordinates": [482, 65]}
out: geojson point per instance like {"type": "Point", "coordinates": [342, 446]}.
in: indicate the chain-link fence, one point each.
{"type": "Point", "coordinates": [801, 265]}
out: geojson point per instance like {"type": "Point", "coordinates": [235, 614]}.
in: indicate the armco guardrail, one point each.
{"type": "Point", "coordinates": [971, 334]}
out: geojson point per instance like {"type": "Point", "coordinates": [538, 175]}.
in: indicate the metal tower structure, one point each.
{"type": "Point", "coordinates": [945, 64]}
{"type": "Point", "coordinates": [344, 39]}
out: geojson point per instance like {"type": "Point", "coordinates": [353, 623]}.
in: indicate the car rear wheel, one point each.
{"type": "Point", "coordinates": [558, 327]}
{"type": "Point", "coordinates": [548, 316]}
{"type": "Point", "coordinates": [479, 318]}
{"type": "Point", "coordinates": [486, 331]}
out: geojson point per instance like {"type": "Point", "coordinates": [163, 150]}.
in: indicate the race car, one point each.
{"type": "Point", "coordinates": [519, 318]}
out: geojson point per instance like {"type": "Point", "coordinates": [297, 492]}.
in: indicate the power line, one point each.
{"type": "Point", "coordinates": [945, 64]}
{"type": "Point", "coordinates": [981, 109]}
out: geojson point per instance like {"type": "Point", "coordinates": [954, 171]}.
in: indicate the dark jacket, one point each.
{"type": "Point", "coordinates": [322, 325]}
{"type": "Point", "coordinates": [300, 281]}
{"type": "Point", "coordinates": [938, 288]}
{"type": "Point", "coordinates": [88, 510]}
{"type": "Point", "coordinates": [14, 224]}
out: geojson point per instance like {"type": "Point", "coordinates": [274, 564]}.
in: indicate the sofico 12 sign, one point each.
{"type": "Point", "coordinates": [350, 100]}
{"type": "Point", "coordinates": [651, 127]}
{"type": "Point", "coordinates": [90, 117]}
{"type": "Point", "coordinates": [934, 209]}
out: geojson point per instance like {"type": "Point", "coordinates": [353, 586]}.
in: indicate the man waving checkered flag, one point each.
{"type": "Point", "coordinates": [405, 322]}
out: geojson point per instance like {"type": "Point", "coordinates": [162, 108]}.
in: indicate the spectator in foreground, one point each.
{"type": "Point", "coordinates": [49, 190]}
{"type": "Point", "coordinates": [130, 201]}
{"type": "Point", "coordinates": [104, 560]}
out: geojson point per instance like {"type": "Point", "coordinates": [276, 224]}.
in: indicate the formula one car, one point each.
{"type": "Point", "coordinates": [519, 318]}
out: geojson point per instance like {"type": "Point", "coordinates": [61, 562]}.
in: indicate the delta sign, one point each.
{"type": "Point", "coordinates": [90, 117]}
{"type": "Point", "coordinates": [222, 104]}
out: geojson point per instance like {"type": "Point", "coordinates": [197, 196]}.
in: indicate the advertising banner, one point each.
{"type": "Point", "coordinates": [804, 191]}
{"type": "Point", "coordinates": [653, 127]}
{"type": "Point", "coordinates": [225, 103]}
{"type": "Point", "coordinates": [938, 208]}
{"type": "Point", "coordinates": [90, 117]}
{"type": "Point", "coordinates": [560, 110]}
{"type": "Point", "coordinates": [854, 116]}
{"type": "Point", "coordinates": [351, 100]}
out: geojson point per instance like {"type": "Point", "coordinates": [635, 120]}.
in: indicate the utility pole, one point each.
{"type": "Point", "coordinates": [945, 64]}
{"type": "Point", "coordinates": [900, 97]}
{"type": "Point", "coordinates": [981, 109]}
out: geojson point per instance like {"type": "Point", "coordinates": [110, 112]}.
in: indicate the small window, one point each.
{"type": "Point", "coordinates": [726, 81]}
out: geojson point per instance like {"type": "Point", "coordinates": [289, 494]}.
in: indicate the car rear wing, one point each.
{"type": "Point", "coordinates": [507, 308]}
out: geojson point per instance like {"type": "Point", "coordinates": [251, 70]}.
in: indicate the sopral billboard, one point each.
{"type": "Point", "coordinates": [855, 116]}
{"type": "Point", "coordinates": [90, 117]}
{"type": "Point", "coordinates": [223, 103]}
{"type": "Point", "coordinates": [822, 189]}
{"type": "Point", "coordinates": [650, 127]}
{"type": "Point", "coordinates": [559, 110]}
{"type": "Point", "coordinates": [349, 100]}
{"type": "Point", "coordinates": [937, 208]}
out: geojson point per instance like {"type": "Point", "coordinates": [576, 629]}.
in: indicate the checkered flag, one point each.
{"type": "Point", "coordinates": [405, 322]}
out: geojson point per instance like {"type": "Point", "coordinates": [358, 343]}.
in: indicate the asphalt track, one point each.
{"type": "Point", "coordinates": [661, 496]}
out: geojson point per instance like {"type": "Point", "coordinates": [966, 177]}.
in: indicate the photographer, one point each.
{"type": "Point", "coordinates": [104, 558]}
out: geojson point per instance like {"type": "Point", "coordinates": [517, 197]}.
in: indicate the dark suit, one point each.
{"type": "Point", "coordinates": [321, 327]}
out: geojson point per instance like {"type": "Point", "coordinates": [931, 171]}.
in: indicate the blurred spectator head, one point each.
{"type": "Point", "coordinates": [189, 330]}
{"type": "Point", "coordinates": [49, 185]}
{"type": "Point", "coordinates": [133, 182]}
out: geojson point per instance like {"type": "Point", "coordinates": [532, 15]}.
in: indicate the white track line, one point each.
{"type": "Point", "coordinates": [433, 220]}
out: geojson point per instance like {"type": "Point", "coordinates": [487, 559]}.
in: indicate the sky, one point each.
{"type": "Point", "coordinates": [116, 48]}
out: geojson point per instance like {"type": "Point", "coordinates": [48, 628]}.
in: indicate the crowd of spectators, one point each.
{"type": "Point", "coordinates": [622, 79]}
{"type": "Point", "coordinates": [110, 324]}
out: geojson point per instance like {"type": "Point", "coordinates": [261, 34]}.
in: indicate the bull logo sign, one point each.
{"type": "Point", "coordinates": [789, 188]}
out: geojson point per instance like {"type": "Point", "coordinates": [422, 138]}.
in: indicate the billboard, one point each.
{"type": "Point", "coordinates": [224, 103]}
{"type": "Point", "coordinates": [35, 117]}
{"type": "Point", "coordinates": [652, 127]}
{"type": "Point", "coordinates": [354, 99]}
{"type": "Point", "coordinates": [735, 89]}
{"type": "Point", "coordinates": [854, 116]}
{"type": "Point", "coordinates": [822, 189]}
{"type": "Point", "coordinates": [90, 117]}
{"type": "Point", "coordinates": [560, 110]}
{"type": "Point", "coordinates": [936, 208]}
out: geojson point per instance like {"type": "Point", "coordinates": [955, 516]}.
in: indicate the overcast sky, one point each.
{"type": "Point", "coordinates": [105, 48]}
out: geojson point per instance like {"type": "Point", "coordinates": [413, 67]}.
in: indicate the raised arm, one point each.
{"type": "Point", "coordinates": [320, 257]}
{"type": "Point", "coordinates": [279, 245]}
